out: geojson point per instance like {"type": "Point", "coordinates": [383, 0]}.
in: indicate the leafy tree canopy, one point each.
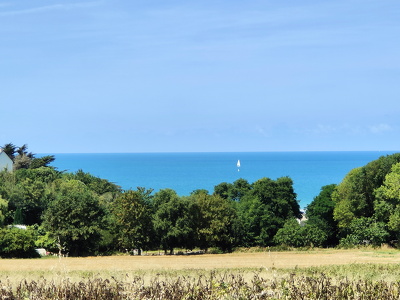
{"type": "Point", "coordinates": [173, 220]}
{"type": "Point", "coordinates": [355, 196]}
{"type": "Point", "coordinates": [75, 217]}
{"type": "Point", "coordinates": [133, 219]}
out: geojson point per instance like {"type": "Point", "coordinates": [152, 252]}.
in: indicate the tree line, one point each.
{"type": "Point", "coordinates": [81, 214]}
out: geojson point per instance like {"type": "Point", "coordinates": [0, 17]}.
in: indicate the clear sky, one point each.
{"type": "Point", "coordinates": [214, 75]}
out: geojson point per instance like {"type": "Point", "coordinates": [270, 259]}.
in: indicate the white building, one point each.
{"type": "Point", "coordinates": [5, 162]}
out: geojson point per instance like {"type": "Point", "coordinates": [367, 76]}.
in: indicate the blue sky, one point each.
{"type": "Point", "coordinates": [173, 76]}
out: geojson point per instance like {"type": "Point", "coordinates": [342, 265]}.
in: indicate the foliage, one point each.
{"type": "Point", "coordinates": [10, 149]}
{"type": "Point", "coordinates": [313, 235]}
{"type": "Point", "coordinates": [133, 220]}
{"type": "Point", "coordinates": [23, 158]}
{"type": "Point", "coordinates": [289, 234]}
{"type": "Point", "coordinates": [22, 162]}
{"type": "Point", "coordinates": [43, 174]}
{"type": "Point", "coordinates": [3, 210]}
{"type": "Point", "coordinates": [215, 223]}
{"type": "Point", "coordinates": [223, 189]}
{"type": "Point", "coordinates": [34, 196]}
{"type": "Point", "coordinates": [40, 162]}
{"type": "Point", "coordinates": [18, 217]}
{"type": "Point", "coordinates": [265, 209]}
{"type": "Point", "coordinates": [233, 191]}
{"type": "Point", "coordinates": [320, 213]}
{"type": "Point", "coordinates": [44, 240]}
{"type": "Point", "coordinates": [85, 213]}
{"type": "Point", "coordinates": [75, 217]}
{"type": "Point", "coordinates": [173, 221]}
{"type": "Point", "coordinates": [28, 192]}
{"type": "Point", "coordinates": [17, 243]}
{"type": "Point", "coordinates": [295, 235]}
{"type": "Point", "coordinates": [354, 197]}
{"type": "Point", "coordinates": [239, 189]}
{"type": "Point", "coordinates": [96, 184]}
{"type": "Point", "coordinates": [365, 231]}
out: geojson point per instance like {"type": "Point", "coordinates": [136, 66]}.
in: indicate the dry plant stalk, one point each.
{"type": "Point", "coordinates": [213, 286]}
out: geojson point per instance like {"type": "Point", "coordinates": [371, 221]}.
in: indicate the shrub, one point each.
{"type": "Point", "coordinates": [17, 243]}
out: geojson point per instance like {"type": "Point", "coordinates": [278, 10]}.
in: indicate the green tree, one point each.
{"type": "Point", "coordinates": [223, 189]}
{"type": "Point", "coordinates": [11, 191]}
{"type": "Point", "coordinates": [41, 161]}
{"type": "Point", "coordinates": [394, 221]}
{"type": "Point", "coordinates": [320, 213]}
{"type": "Point", "coordinates": [44, 240]}
{"type": "Point", "coordinates": [35, 197]}
{"type": "Point", "coordinates": [173, 221]}
{"type": "Point", "coordinates": [265, 209]}
{"type": "Point", "coordinates": [215, 222]}
{"type": "Point", "coordinates": [390, 189]}
{"type": "Point", "coordinates": [313, 235]}
{"type": "Point", "coordinates": [17, 243]}
{"type": "Point", "coordinates": [98, 185]}
{"type": "Point", "coordinates": [75, 217]}
{"type": "Point", "coordinates": [3, 210]}
{"type": "Point", "coordinates": [29, 191]}
{"type": "Point", "coordinates": [43, 174]}
{"type": "Point", "coordinates": [295, 235]}
{"type": "Point", "coordinates": [10, 149]}
{"type": "Point", "coordinates": [23, 159]}
{"type": "Point", "coordinates": [289, 234]}
{"type": "Point", "coordinates": [18, 217]}
{"type": "Point", "coordinates": [387, 203]}
{"type": "Point", "coordinates": [22, 162]}
{"type": "Point", "coordinates": [133, 220]}
{"type": "Point", "coordinates": [239, 189]}
{"type": "Point", "coordinates": [355, 196]}
{"type": "Point", "coordinates": [365, 230]}
{"type": "Point", "coordinates": [349, 198]}
{"type": "Point", "coordinates": [280, 204]}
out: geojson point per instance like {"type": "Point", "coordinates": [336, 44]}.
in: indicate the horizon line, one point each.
{"type": "Point", "coordinates": [205, 152]}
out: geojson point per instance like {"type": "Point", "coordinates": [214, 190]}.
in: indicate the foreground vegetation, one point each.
{"type": "Point", "coordinates": [354, 281]}
{"type": "Point", "coordinates": [227, 286]}
{"type": "Point", "coordinates": [78, 214]}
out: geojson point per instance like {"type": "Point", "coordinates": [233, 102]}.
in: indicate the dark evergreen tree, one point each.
{"type": "Point", "coordinates": [320, 213]}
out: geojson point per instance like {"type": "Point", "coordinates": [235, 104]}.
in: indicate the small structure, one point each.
{"type": "Point", "coordinates": [23, 227]}
{"type": "Point", "coordinates": [5, 162]}
{"type": "Point", "coordinates": [303, 220]}
{"type": "Point", "coordinates": [41, 251]}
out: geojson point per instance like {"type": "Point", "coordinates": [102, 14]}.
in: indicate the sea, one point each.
{"type": "Point", "coordinates": [187, 172]}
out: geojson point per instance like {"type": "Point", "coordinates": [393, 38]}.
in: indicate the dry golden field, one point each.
{"type": "Point", "coordinates": [290, 259]}
{"type": "Point", "coordinates": [318, 274]}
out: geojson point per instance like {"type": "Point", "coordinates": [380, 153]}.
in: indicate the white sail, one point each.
{"type": "Point", "coordinates": [238, 163]}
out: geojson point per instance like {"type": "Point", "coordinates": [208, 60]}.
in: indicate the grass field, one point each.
{"type": "Point", "coordinates": [245, 262]}
{"type": "Point", "coordinates": [259, 271]}
{"type": "Point", "coordinates": [289, 259]}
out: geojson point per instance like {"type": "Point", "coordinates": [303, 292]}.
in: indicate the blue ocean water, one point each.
{"type": "Point", "coordinates": [186, 172]}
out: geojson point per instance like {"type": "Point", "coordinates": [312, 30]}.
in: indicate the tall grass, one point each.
{"type": "Point", "coordinates": [330, 282]}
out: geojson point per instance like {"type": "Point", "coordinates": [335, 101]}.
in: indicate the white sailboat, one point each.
{"type": "Point", "coordinates": [238, 164]}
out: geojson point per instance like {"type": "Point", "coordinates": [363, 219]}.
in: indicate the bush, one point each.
{"type": "Point", "coordinates": [17, 243]}
{"type": "Point", "coordinates": [215, 251]}
{"type": "Point", "coordinates": [292, 234]}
